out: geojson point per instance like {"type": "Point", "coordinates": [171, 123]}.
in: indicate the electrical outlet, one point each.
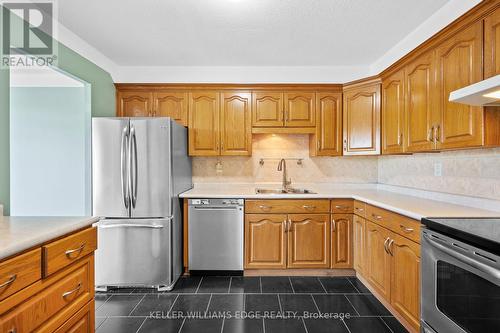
{"type": "Point", "coordinates": [438, 169]}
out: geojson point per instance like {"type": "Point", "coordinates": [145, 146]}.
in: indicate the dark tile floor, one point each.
{"type": "Point", "coordinates": [247, 304]}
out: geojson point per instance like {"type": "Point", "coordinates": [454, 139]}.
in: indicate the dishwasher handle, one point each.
{"type": "Point", "coordinates": [220, 208]}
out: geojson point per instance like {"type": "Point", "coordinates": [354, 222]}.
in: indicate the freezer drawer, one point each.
{"type": "Point", "coordinates": [215, 238]}
{"type": "Point", "coordinates": [134, 253]}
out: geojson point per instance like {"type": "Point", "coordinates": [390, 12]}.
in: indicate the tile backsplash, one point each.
{"type": "Point", "coordinates": [313, 169]}
{"type": "Point", "coordinates": [466, 172]}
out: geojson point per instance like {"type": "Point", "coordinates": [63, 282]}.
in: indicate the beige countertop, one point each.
{"type": "Point", "coordinates": [21, 233]}
{"type": "Point", "coordinates": [408, 205]}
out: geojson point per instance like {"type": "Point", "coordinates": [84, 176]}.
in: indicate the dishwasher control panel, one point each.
{"type": "Point", "coordinates": [215, 202]}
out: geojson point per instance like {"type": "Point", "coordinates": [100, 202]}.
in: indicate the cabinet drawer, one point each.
{"type": "Point", "coordinates": [342, 206]}
{"type": "Point", "coordinates": [399, 224]}
{"type": "Point", "coordinates": [287, 206]}
{"type": "Point", "coordinates": [360, 208]}
{"type": "Point", "coordinates": [20, 272]}
{"type": "Point", "coordinates": [81, 322]}
{"type": "Point", "coordinates": [50, 308]}
{"type": "Point", "coordinates": [65, 251]}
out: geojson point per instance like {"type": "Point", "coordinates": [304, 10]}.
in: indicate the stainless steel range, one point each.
{"type": "Point", "coordinates": [461, 275]}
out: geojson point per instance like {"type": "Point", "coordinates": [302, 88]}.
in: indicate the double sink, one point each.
{"type": "Point", "coordinates": [283, 191]}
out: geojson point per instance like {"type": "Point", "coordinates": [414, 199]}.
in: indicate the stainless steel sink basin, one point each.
{"type": "Point", "coordinates": [281, 191]}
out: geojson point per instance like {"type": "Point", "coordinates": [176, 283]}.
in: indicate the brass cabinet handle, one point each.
{"type": "Point", "coordinates": [77, 250]}
{"type": "Point", "coordinates": [406, 229]}
{"type": "Point", "coordinates": [438, 133]}
{"type": "Point", "coordinates": [12, 330]}
{"type": "Point", "coordinates": [66, 294]}
{"type": "Point", "coordinates": [359, 209]}
{"type": "Point", "coordinates": [389, 247]}
{"type": "Point", "coordinates": [264, 207]}
{"type": "Point", "coordinates": [345, 144]}
{"type": "Point", "coordinates": [378, 217]}
{"type": "Point", "coordinates": [308, 207]}
{"type": "Point", "coordinates": [285, 225]}
{"type": "Point", "coordinates": [430, 134]}
{"type": "Point", "coordinates": [341, 207]}
{"type": "Point", "coordinates": [11, 279]}
{"type": "Point", "coordinates": [289, 225]}
{"type": "Point", "coordinates": [400, 139]}
{"type": "Point", "coordinates": [385, 245]}
{"type": "Point", "coordinates": [334, 225]}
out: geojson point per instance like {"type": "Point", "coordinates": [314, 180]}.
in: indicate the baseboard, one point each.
{"type": "Point", "coordinates": [299, 272]}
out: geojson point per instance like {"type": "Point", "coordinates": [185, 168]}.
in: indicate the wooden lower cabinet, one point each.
{"type": "Point", "coordinates": [308, 241]}
{"type": "Point", "coordinates": [405, 278]}
{"type": "Point", "coordinates": [378, 262]}
{"type": "Point", "coordinates": [265, 241]}
{"type": "Point", "coordinates": [358, 239]}
{"type": "Point", "coordinates": [342, 245]}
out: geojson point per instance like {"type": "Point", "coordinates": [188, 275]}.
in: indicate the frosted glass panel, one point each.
{"type": "Point", "coordinates": [50, 157]}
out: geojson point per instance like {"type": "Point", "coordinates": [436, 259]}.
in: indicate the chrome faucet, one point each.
{"type": "Point", "coordinates": [286, 182]}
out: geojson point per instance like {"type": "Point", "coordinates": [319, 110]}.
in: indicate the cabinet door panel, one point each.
{"type": "Point", "coordinates": [378, 261]}
{"type": "Point", "coordinates": [459, 65]}
{"type": "Point", "coordinates": [405, 279]}
{"type": "Point", "coordinates": [420, 102]}
{"type": "Point", "coordinates": [393, 112]}
{"type": "Point", "coordinates": [328, 138]}
{"type": "Point", "coordinates": [236, 127]}
{"type": "Point", "coordinates": [299, 109]}
{"type": "Point", "coordinates": [341, 256]}
{"type": "Point", "coordinates": [204, 123]}
{"type": "Point", "coordinates": [134, 104]}
{"type": "Point", "coordinates": [267, 109]}
{"type": "Point", "coordinates": [309, 241]}
{"type": "Point", "coordinates": [362, 121]}
{"type": "Point", "coordinates": [492, 44]}
{"type": "Point", "coordinates": [171, 104]}
{"type": "Point", "coordinates": [359, 227]}
{"type": "Point", "coordinates": [265, 241]}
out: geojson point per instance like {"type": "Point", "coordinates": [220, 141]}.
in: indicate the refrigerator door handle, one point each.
{"type": "Point", "coordinates": [133, 166]}
{"type": "Point", "coordinates": [124, 167]}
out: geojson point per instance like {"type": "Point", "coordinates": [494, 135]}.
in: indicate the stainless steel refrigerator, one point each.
{"type": "Point", "coordinates": [139, 168]}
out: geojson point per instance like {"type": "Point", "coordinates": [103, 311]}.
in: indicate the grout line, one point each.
{"type": "Point", "coordinates": [141, 325]}
{"type": "Point", "coordinates": [208, 305]}
{"type": "Point", "coordinates": [348, 330]}
{"type": "Point", "coordinates": [136, 305]}
{"type": "Point", "coordinates": [290, 281]}
{"type": "Point", "coordinates": [263, 326]}
{"type": "Point", "coordinates": [321, 283]}
{"type": "Point", "coordinates": [229, 289]}
{"type": "Point", "coordinates": [352, 284]}
{"type": "Point", "coordinates": [199, 284]}
{"type": "Point", "coordinates": [304, 323]}
{"type": "Point", "coordinates": [260, 284]}
{"type": "Point", "coordinates": [317, 307]}
{"type": "Point", "coordinates": [279, 302]}
{"type": "Point", "coordinates": [172, 306]}
{"type": "Point", "coordinates": [182, 325]}
{"type": "Point", "coordinates": [223, 321]}
{"type": "Point", "coordinates": [390, 329]}
{"type": "Point", "coordinates": [352, 305]}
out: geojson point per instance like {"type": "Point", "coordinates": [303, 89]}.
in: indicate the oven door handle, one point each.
{"type": "Point", "coordinates": [486, 269]}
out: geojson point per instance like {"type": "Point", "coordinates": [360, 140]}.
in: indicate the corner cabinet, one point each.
{"type": "Point", "coordinates": [327, 141]}
{"type": "Point", "coordinates": [361, 114]}
{"type": "Point", "coordinates": [220, 123]}
{"type": "Point", "coordinates": [393, 113]}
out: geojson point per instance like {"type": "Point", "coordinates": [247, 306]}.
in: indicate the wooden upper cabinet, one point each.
{"type": "Point", "coordinates": [171, 104]}
{"type": "Point", "coordinates": [459, 64]}
{"type": "Point", "coordinates": [204, 123]}
{"type": "Point", "coordinates": [267, 110]}
{"type": "Point", "coordinates": [236, 123]}
{"type": "Point", "coordinates": [342, 244]}
{"type": "Point", "coordinates": [299, 109]}
{"type": "Point", "coordinates": [378, 261]}
{"type": "Point", "coordinates": [405, 278]}
{"type": "Point", "coordinates": [361, 114]}
{"type": "Point", "coordinates": [265, 241]}
{"type": "Point", "coordinates": [492, 44]}
{"type": "Point", "coordinates": [327, 141]}
{"type": "Point", "coordinates": [309, 241]}
{"type": "Point", "coordinates": [393, 114]}
{"type": "Point", "coordinates": [420, 103]}
{"type": "Point", "coordinates": [134, 104]}
{"type": "Point", "coordinates": [359, 243]}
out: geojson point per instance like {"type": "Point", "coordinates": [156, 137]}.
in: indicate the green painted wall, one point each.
{"type": "Point", "coordinates": [102, 101]}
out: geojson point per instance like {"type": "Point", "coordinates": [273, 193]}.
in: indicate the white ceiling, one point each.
{"type": "Point", "coordinates": [244, 32]}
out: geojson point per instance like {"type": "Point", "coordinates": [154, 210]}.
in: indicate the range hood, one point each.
{"type": "Point", "coordinates": [482, 93]}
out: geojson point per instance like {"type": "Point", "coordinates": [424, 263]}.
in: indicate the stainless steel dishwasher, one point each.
{"type": "Point", "coordinates": [215, 235]}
